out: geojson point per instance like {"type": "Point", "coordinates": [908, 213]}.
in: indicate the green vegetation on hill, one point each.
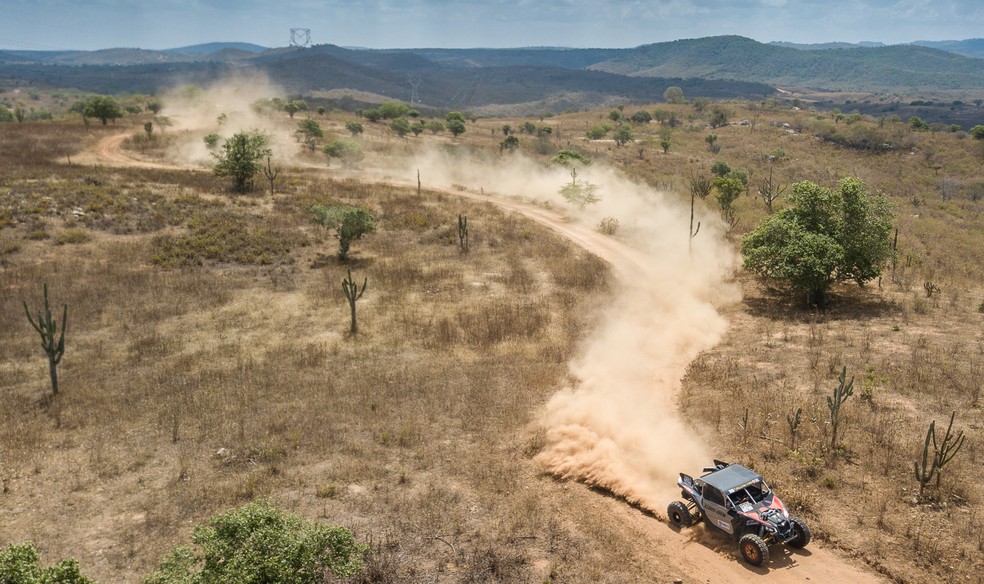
{"type": "Point", "coordinates": [859, 69]}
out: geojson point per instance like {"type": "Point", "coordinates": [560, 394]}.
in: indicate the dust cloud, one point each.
{"type": "Point", "coordinates": [617, 427]}
{"type": "Point", "coordinates": [195, 112]}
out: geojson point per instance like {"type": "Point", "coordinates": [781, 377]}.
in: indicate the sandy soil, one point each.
{"type": "Point", "coordinates": [697, 554]}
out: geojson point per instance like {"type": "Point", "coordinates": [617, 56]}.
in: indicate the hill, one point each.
{"type": "Point", "coordinates": [854, 69]}
{"type": "Point", "coordinates": [968, 48]}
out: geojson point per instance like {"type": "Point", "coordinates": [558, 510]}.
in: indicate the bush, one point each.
{"type": "Point", "coordinates": [19, 565]}
{"type": "Point", "coordinates": [257, 544]}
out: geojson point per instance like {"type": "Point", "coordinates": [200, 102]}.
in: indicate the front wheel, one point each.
{"type": "Point", "coordinates": [679, 515]}
{"type": "Point", "coordinates": [753, 549]}
{"type": "Point", "coordinates": [801, 533]}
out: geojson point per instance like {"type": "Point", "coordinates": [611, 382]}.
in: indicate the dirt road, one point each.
{"type": "Point", "coordinates": [697, 555]}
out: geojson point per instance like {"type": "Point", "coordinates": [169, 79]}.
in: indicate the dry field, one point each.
{"type": "Point", "coordinates": [208, 362]}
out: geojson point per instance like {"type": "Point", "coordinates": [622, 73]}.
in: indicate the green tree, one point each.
{"type": "Point", "coordinates": [355, 128]}
{"type": "Point", "coordinates": [6, 116]}
{"type": "Point", "coordinates": [570, 157]}
{"type": "Point", "coordinates": [510, 143]}
{"type": "Point", "coordinates": [310, 129]}
{"type": "Point", "coordinates": [977, 132]}
{"type": "Point", "coordinates": [527, 128]}
{"type": "Point", "coordinates": [456, 127]}
{"type": "Point", "coordinates": [674, 94]}
{"type": "Point", "coordinates": [103, 108]}
{"type": "Point", "coordinates": [641, 117]}
{"type": "Point", "coordinates": [154, 106]}
{"type": "Point", "coordinates": [292, 107]}
{"type": "Point", "coordinates": [241, 158]}
{"type": "Point", "coordinates": [347, 223]}
{"type": "Point", "coordinates": [400, 126]}
{"type": "Point", "coordinates": [719, 116]}
{"type": "Point", "coordinates": [580, 193]}
{"type": "Point", "coordinates": [434, 127]}
{"type": "Point", "coordinates": [623, 135]}
{"type": "Point", "coordinates": [347, 151]}
{"type": "Point", "coordinates": [454, 116]}
{"type": "Point", "coordinates": [391, 110]}
{"type": "Point", "coordinates": [823, 237]}
{"type": "Point", "coordinates": [598, 132]}
{"type": "Point", "coordinates": [258, 544]}
{"type": "Point", "coordinates": [19, 564]}
{"type": "Point", "coordinates": [917, 123]}
{"type": "Point", "coordinates": [417, 128]}
{"type": "Point", "coordinates": [720, 168]}
{"type": "Point", "coordinates": [665, 145]}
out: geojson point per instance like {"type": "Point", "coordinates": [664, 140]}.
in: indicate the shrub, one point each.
{"type": "Point", "coordinates": [258, 543]}
{"type": "Point", "coordinates": [19, 565]}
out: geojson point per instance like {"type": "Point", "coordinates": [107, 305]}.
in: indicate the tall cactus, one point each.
{"type": "Point", "coordinates": [926, 470]}
{"type": "Point", "coordinates": [463, 232]}
{"type": "Point", "coordinates": [353, 293]}
{"type": "Point", "coordinates": [947, 449]}
{"type": "Point", "coordinates": [794, 422]}
{"type": "Point", "coordinates": [47, 327]}
{"type": "Point", "coordinates": [834, 403]}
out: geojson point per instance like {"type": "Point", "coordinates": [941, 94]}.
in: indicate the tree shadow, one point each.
{"type": "Point", "coordinates": [324, 260]}
{"type": "Point", "coordinates": [843, 303]}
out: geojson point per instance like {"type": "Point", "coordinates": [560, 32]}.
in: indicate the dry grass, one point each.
{"type": "Point", "coordinates": [174, 404]}
{"type": "Point", "coordinates": [189, 390]}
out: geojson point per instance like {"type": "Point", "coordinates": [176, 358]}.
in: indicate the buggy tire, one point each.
{"type": "Point", "coordinates": [802, 533]}
{"type": "Point", "coordinates": [753, 549]}
{"type": "Point", "coordinates": [679, 515]}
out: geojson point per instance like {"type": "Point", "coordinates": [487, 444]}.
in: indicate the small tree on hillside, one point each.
{"type": "Point", "coordinates": [674, 94]}
{"type": "Point", "coordinates": [580, 193]}
{"type": "Point", "coordinates": [103, 108]}
{"type": "Point", "coordinates": [348, 151]}
{"type": "Point", "coordinates": [347, 224]}
{"type": "Point", "coordinates": [823, 237]}
{"type": "Point", "coordinates": [241, 158]}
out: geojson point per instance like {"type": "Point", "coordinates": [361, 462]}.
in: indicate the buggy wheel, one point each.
{"type": "Point", "coordinates": [801, 533]}
{"type": "Point", "coordinates": [679, 515]}
{"type": "Point", "coordinates": [753, 549]}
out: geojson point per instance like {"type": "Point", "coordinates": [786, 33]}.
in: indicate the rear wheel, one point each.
{"type": "Point", "coordinates": [679, 515]}
{"type": "Point", "coordinates": [753, 549]}
{"type": "Point", "coordinates": [801, 533]}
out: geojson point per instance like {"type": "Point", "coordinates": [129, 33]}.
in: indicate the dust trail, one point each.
{"type": "Point", "coordinates": [223, 108]}
{"type": "Point", "coordinates": [618, 427]}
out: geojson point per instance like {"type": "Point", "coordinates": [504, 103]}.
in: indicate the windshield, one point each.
{"type": "Point", "coordinates": [750, 494]}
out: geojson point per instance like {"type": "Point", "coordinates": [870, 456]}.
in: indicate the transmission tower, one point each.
{"type": "Point", "coordinates": [300, 37]}
{"type": "Point", "coordinates": [414, 96]}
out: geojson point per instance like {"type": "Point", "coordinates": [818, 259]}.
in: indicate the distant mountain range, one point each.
{"type": "Point", "coordinates": [547, 77]}
{"type": "Point", "coordinates": [968, 48]}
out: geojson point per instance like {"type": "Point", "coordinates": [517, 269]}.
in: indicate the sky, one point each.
{"type": "Point", "coordinates": [162, 24]}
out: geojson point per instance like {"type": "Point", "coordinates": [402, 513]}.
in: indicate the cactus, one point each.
{"type": "Point", "coordinates": [794, 422]}
{"type": "Point", "coordinates": [271, 173]}
{"type": "Point", "coordinates": [925, 472]}
{"type": "Point", "coordinates": [948, 448]}
{"type": "Point", "coordinates": [943, 453]}
{"type": "Point", "coordinates": [834, 403]}
{"type": "Point", "coordinates": [463, 232]}
{"type": "Point", "coordinates": [353, 293]}
{"type": "Point", "coordinates": [47, 327]}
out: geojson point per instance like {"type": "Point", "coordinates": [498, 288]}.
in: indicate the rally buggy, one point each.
{"type": "Point", "coordinates": [737, 501]}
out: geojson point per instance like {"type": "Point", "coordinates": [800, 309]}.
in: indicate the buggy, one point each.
{"type": "Point", "coordinates": [737, 501]}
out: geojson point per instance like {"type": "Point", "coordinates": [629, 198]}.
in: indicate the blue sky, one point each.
{"type": "Point", "coordinates": [158, 24]}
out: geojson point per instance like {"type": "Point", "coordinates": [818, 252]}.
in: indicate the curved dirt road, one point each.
{"type": "Point", "coordinates": [697, 554]}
